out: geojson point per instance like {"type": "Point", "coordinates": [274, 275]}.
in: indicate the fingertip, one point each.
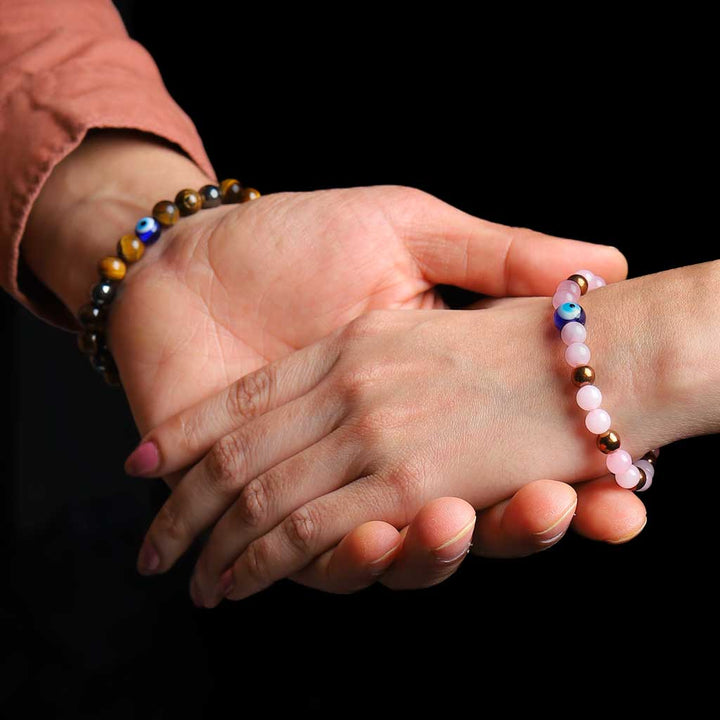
{"type": "Point", "coordinates": [608, 513]}
{"type": "Point", "coordinates": [144, 461]}
{"type": "Point", "coordinates": [442, 525]}
{"type": "Point", "coordinates": [541, 509]}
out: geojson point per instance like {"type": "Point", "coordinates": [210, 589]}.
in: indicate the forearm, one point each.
{"type": "Point", "coordinates": [92, 198]}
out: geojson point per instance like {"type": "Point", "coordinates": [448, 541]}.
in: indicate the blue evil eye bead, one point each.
{"type": "Point", "coordinates": [568, 312]}
{"type": "Point", "coordinates": [148, 230]}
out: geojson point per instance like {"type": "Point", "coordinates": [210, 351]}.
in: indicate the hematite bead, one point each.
{"type": "Point", "coordinates": [102, 359]}
{"type": "Point", "coordinates": [103, 293]}
{"type": "Point", "coordinates": [250, 194]}
{"type": "Point", "coordinates": [231, 191]}
{"type": "Point", "coordinates": [148, 230]}
{"type": "Point", "coordinates": [608, 441]}
{"type": "Point", "coordinates": [91, 317]}
{"type": "Point", "coordinates": [210, 196]}
{"type": "Point", "coordinates": [581, 281]}
{"type": "Point", "coordinates": [130, 248]}
{"type": "Point", "coordinates": [188, 202]}
{"type": "Point", "coordinates": [90, 342]}
{"type": "Point", "coordinates": [650, 457]}
{"type": "Point", "coordinates": [582, 375]}
{"type": "Point", "coordinates": [166, 213]}
{"type": "Point", "coordinates": [112, 268]}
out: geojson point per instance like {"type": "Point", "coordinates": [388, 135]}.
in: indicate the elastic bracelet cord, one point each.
{"type": "Point", "coordinates": [569, 319]}
{"type": "Point", "coordinates": [130, 248]}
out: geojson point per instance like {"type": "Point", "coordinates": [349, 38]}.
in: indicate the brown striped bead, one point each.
{"type": "Point", "coordinates": [130, 248]}
{"type": "Point", "coordinates": [231, 191]}
{"type": "Point", "coordinates": [581, 281]}
{"type": "Point", "coordinates": [166, 213]}
{"type": "Point", "coordinates": [608, 441]}
{"type": "Point", "coordinates": [250, 194]}
{"type": "Point", "coordinates": [188, 202]}
{"type": "Point", "coordinates": [210, 196]}
{"type": "Point", "coordinates": [112, 268]}
{"type": "Point", "coordinates": [583, 375]}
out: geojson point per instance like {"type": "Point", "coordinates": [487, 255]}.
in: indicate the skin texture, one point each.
{"type": "Point", "coordinates": [228, 290]}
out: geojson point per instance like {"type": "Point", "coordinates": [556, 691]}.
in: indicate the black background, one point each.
{"type": "Point", "coordinates": [597, 128]}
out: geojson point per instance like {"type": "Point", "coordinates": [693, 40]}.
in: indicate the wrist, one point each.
{"type": "Point", "coordinates": [91, 198]}
{"type": "Point", "coordinates": [653, 340]}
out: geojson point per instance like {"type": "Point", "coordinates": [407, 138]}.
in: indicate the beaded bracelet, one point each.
{"type": "Point", "coordinates": [569, 318]}
{"type": "Point", "coordinates": [130, 248]}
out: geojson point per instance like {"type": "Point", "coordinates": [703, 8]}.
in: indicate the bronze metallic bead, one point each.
{"type": "Point", "coordinates": [166, 213]}
{"type": "Point", "coordinates": [583, 375]}
{"type": "Point", "coordinates": [188, 201]}
{"type": "Point", "coordinates": [210, 196]}
{"type": "Point", "coordinates": [642, 481]}
{"type": "Point", "coordinates": [112, 268]}
{"type": "Point", "coordinates": [250, 194]}
{"type": "Point", "coordinates": [608, 441]}
{"type": "Point", "coordinates": [650, 457]}
{"type": "Point", "coordinates": [581, 281]}
{"type": "Point", "coordinates": [130, 248]}
{"type": "Point", "coordinates": [231, 191]}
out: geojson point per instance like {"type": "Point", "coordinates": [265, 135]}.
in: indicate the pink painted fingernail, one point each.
{"type": "Point", "coordinates": [143, 460]}
{"type": "Point", "coordinates": [148, 560]}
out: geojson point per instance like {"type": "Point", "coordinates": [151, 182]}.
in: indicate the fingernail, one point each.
{"type": "Point", "coordinates": [440, 550]}
{"type": "Point", "coordinates": [227, 582]}
{"type": "Point", "coordinates": [626, 538]}
{"type": "Point", "coordinates": [379, 566]}
{"type": "Point", "coordinates": [195, 594]}
{"type": "Point", "coordinates": [143, 460]}
{"type": "Point", "coordinates": [148, 560]}
{"type": "Point", "coordinates": [551, 534]}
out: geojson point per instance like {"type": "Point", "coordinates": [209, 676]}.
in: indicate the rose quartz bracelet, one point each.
{"type": "Point", "coordinates": [569, 319]}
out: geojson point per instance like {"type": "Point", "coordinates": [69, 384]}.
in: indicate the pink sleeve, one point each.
{"type": "Point", "coordinates": [67, 66]}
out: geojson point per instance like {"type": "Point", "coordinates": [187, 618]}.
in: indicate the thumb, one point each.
{"type": "Point", "coordinates": [451, 247]}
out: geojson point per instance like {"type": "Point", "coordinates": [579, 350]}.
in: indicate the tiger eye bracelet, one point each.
{"type": "Point", "coordinates": [569, 318]}
{"type": "Point", "coordinates": [130, 248]}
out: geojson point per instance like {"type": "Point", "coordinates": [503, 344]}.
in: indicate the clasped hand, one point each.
{"type": "Point", "coordinates": [307, 422]}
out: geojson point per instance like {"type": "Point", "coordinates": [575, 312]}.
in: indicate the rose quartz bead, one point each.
{"type": "Point", "coordinates": [561, 297]}
{"type": "Point", "coordinates": [589, 397]}
{"type": "Point", "coordinates": [619, 461]}
{"type": "Point", "coordinates": [598, 421]}
{"type": "Point", "coordinates": [648, 483]}
{"type": "Point", "coordinates": [629, 479]}
{"type": "Point", "coordinates": [573, 332]}
{"type": "Point", "coordinates": [577, 354]}
{"type": "Point", "coordinates": [647, 468]}
{"type": "Point", "coordinates": [596, 282]}
{"type": "Point", "coordinates": [566, 291]}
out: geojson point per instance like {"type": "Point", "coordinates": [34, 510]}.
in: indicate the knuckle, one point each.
{"type": "Point", "coordinates": [302, 530]}
{"type": "Point", "coordinates": [250, 395]}
{"type": "Point", "coordinates": [226, 460]}
{"type": "Point", "coordinates": [170, 523]}
{"type": "Point", "coordinates": [407, 483]}
{"type": "Point", "coordinates": [257, 562]}
{"type": "Point", "coordinates": [252, 504]}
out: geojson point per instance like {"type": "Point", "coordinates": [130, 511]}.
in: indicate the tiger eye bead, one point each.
{"type": "Point", "coordinates": [231, 191]}
{"type": "Point", "coordinates": [103, 293]}
{"type": "Point", "coordinates": [91, 317]}
{"type": "Point", "coordinates": [210, 196]}
{"type": "Point", "coordinates": [112, 268]}
{"type": "Point", "coordinates": [166, 213]}
{"type": "Point", "coordinates": [250, 194]}
{"type": "Point", "coordinates": [188, 202]}
{"type": "Point", "coordinates": [608, 442]}
{"type": "Point", "coordinates": [130, 248]}
{"type": "Point", "coordinates": [582, 375]}
{"type": "Point", "coordinates": [581, 281]}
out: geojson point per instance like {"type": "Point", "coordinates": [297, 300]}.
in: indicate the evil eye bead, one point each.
{"type": "Point", "coordinates": [148, 230]}
{"type": "Point", "coordinates": [568, 312]}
